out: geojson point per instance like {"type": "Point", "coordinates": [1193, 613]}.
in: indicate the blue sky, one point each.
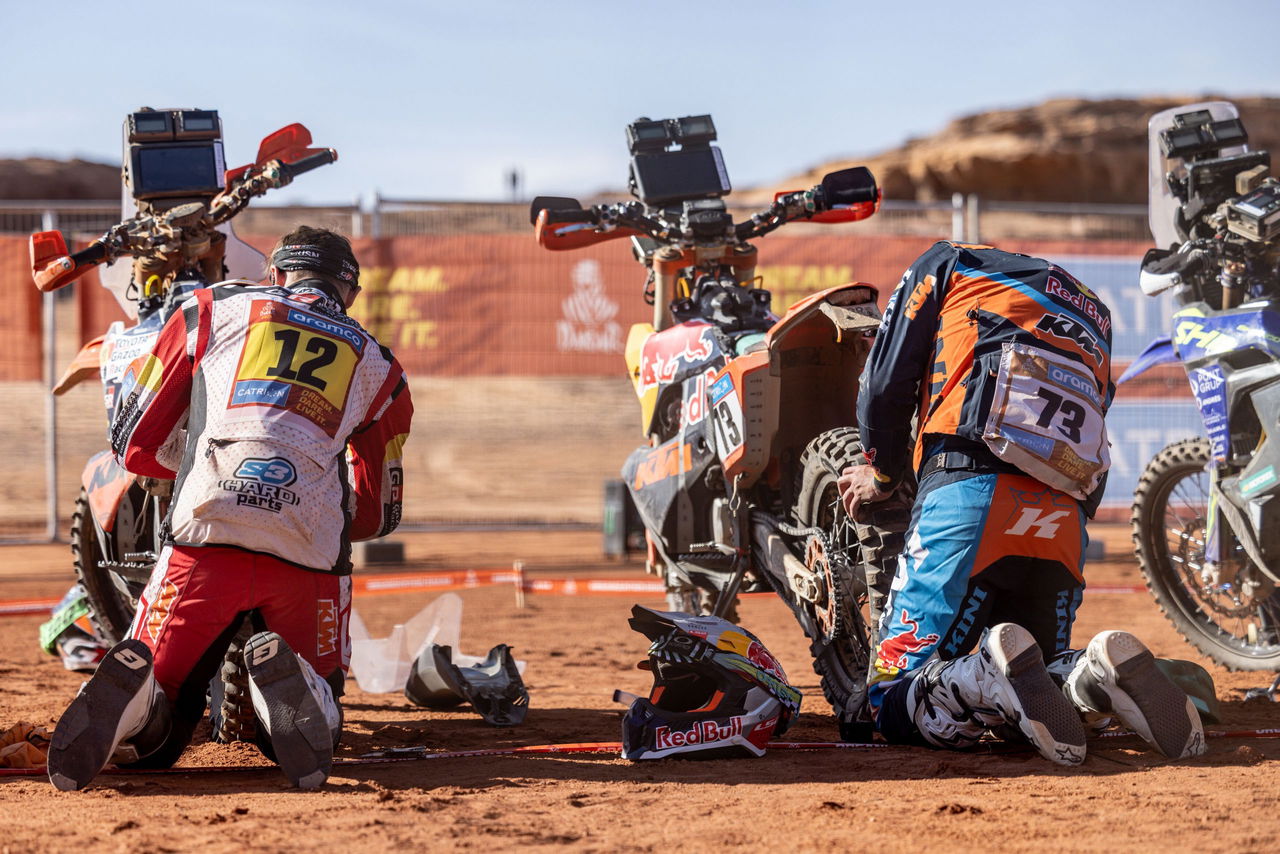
{"type": "Point", "coordinates": [439, 100]}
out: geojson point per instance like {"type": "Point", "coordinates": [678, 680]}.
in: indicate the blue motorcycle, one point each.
{"type": "Point", "coordinates": [1206, 513]}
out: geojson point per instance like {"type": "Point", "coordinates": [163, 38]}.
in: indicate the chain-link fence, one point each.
{"type": "Point", "coordinates": [531, 437]}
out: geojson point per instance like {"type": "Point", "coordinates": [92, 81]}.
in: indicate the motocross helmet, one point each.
{"type": "Point", "coordinates": [717, 692]}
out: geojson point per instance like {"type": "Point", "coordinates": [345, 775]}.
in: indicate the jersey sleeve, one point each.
{"type": "Point", "coordinates": [147, 435]}
{"type": "Point", "coordinates": [889, 392]}
{"type": "Point", "coordinates": [375, 456]}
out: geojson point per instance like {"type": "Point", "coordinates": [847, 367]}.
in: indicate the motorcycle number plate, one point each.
{"type": "Point", "coordinates": [1047, 418]}
{"type": "Point", "coordinates": [726, 415]}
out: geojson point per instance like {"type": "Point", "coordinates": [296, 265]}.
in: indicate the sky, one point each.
{"type": "Point", "coordinates": [432, 100]}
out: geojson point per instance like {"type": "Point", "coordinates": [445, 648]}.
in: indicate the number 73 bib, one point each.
{"type": "Point", "coordinates": [1047, 419]}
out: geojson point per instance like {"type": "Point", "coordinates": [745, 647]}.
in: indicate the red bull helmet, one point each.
{"type": "Point", "coordinates": [717, 692]}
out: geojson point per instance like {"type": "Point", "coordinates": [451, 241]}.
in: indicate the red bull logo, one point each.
{"type": "Point", "coordinates": [704, 732]}
{"type": "Point", "coordinates": [666, 351]}
{"type": "Point", "coordinates": [762, 658]}
{"type": "Point", "coordinates": [893, 650]}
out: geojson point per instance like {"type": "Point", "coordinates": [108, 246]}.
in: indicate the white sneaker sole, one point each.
{"type": "Point", "coordinates": [1032, 701]}
{"type": "Point", "coordinates": [1143, 697]}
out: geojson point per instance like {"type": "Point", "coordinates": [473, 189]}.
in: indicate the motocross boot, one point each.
{"type": "Point", "coordinates": [1117, 674]}
{"type": "Point", "coordinates": [120, 714]}
{"type": "Point", "coordinates": [952, 703]}
{"type": "Point", "coordinates": [295, 709]}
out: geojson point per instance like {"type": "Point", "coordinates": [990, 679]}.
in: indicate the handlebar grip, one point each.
{"type": "Point", "coordinates": [312, 161]}
{"type": "Point", "coordinates": [94, 253]}
{"type": "Point", "coordinates": [580, 215]}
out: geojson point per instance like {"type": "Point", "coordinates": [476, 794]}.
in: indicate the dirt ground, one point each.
{"type": "Point", "coordinates": [579, 650]}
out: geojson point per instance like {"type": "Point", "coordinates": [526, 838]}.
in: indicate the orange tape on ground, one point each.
{"type": "Point", "coordinates": [408, 582]}
{"type": "Point", "coordinates": [20, 607]}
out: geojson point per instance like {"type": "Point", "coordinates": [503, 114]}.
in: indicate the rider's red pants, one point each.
{"type": "Point", "coordinates": [197, 596]}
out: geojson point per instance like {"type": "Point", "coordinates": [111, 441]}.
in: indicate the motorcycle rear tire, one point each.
{"type": "Point", "coordinates": [842, 662]}
{"type": "Point", "coordinates": [112, 615]}
{"type": "Point", "coordinates": [1166, 470]}
{"type": "Point", "coordinates": [109, 612]}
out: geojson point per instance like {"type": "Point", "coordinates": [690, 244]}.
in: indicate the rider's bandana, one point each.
{"type": "Point", "coordinates": [304, 257]}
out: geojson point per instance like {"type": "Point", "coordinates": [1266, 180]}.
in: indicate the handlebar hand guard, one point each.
{"type": "Point", "coordinates": [574, 229]}
{"type": "Point", "coordinates": [53, 267]}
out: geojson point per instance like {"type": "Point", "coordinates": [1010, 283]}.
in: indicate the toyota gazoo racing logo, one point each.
{"type": "Point", "coordinates": [702, 733]}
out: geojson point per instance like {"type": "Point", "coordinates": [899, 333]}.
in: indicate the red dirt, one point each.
{"type": "Point", "coordinates": [579, 650]}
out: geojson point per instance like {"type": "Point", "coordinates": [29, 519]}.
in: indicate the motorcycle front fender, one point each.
{"type": "Point", "coordinates": [1159, 352]}
{"type": "Point", "coordinates": [105, 483]}
{"type": "Point", "coordinates": [86, 365]}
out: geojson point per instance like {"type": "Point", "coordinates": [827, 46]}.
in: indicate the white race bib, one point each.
{"type": "Point", "coordinates": [1047, 419]}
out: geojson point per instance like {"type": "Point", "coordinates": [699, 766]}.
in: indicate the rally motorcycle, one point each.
{"type": "Point", "coordinates": [1206, 514]}
{"type": "Point", "coordinates": [750, 417]}
{"type": "Point", "coordinates": [175, 237]}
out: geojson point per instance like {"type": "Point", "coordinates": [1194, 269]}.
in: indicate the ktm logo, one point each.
{"type": "Point", "coordinates": [918, 297]}
{"type": "Point", "coordinates": [1062, 326]}
{"type": "Point", "coordinates": [326, 627]}
{"type": "Point", "coordinates": [664, 462]}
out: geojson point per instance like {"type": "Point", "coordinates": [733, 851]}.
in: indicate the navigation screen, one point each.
{"type": "Point", "coordinates": [673, 176]}
{"type": "Point", "coordinates": [170, 169]}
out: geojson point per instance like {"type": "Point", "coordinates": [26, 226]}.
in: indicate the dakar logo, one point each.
{"type": "Point", "coordinates": [893, 651]}
{"type": "Point", "coordinates": [588, 324]}
{"type": "Point", "coordinates": [703, 732]}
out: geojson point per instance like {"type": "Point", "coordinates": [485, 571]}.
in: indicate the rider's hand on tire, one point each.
{"type": "Point", "coordinates": [858, 486]}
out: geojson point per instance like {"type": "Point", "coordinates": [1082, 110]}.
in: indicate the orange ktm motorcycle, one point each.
{"type": "Point", "coordinates": [749, 416]}
{"type": "Point", "coordinates": [178, 203]}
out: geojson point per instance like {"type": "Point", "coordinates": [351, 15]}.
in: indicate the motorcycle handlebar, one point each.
{"type": "Point", "coordinates": [94, 253]}
{"type": "Point", "coordinates": [313, 161]}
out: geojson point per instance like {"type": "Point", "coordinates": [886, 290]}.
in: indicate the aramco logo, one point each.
{"type": "Point", "coordinates": [588, 325]}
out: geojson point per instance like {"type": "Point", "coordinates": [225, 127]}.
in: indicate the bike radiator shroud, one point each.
{"type": "Point", "coordinates": [668, 482]}
{"type": "Point", "coordinates": [1232, 359]}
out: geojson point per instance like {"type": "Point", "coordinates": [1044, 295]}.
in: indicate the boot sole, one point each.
{"type": "Point", "coordinates": [1144, 698]}
{"type": "Point", "coordinates": [299, 734]}
{"type": "Point", "coordinates": [89, 730]}
{"type": "Point", "coordinates": [1043, 714]}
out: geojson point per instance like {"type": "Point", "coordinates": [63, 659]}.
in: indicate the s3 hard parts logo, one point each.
{"type": "Point", "coordinates": [261, 483]}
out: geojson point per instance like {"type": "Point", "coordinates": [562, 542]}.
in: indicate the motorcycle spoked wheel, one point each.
{"type": "Point", "coordinates": [111, 613]}
{"type": "Point", "coordinates": [109, 610]}
{"type": "Point", "coordinates": [1236, 626]}
{"type": "Point", "coordinates": [851, 555]}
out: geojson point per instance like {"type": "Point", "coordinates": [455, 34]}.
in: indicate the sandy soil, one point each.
{"type": "Point", "coordinates": [579, 650]}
